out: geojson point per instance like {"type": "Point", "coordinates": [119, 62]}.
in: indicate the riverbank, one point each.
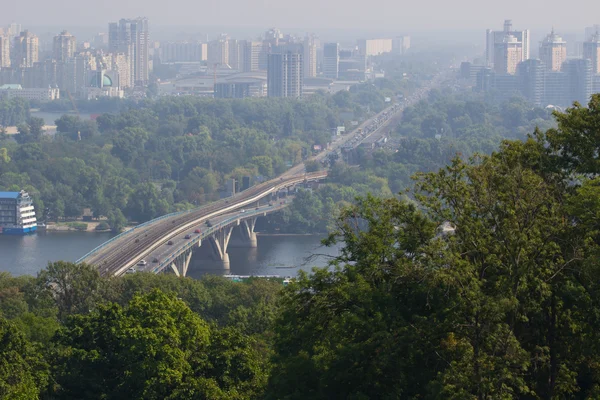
{"type": "Point", "coordinates": [78, 226]}
{"type": "Point", "coordinates": [74, 226]}
{"type": "Point", "coordinates": [288, 234]}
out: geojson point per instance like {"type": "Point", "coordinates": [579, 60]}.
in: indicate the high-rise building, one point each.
{"type": "Point", "coordinates": [284, 72]}
{"type": "Point", "coordinates": [273, 36]}
{"type": "Point", "coordinates": [252, 53]}
{"type": "Point", "coordinates": [579, 74]}
{"type": "Point", "coordinates": [331, 60]}
{"type": "Point", "coordinates": [183, 51]}
{"type": "Point", "coordinates": [14, 29]}
{"type": "Point", "coordinates": [374, 47]}
{"type": "Point", "coordinates": [218, 51]}
{"type": "Point", "coordinates": [235, 53]}
{"type": "Point", "coordinates": [120, 63]}
{"type": "Point", "coordinates": [507, 55]}
{"type": "Point", "coordinates": [591, 31]}
{"type": "Point", "coordinates": [553, 51]}
{"type": "Point", "coordinates": [25, 50]}
{"type": "Point", "coordinates": [101, 40]}
{"type": "Point", "coordinates": [310, 57]}
{"type": "Point", "coordinates": [131, 36]}
{"type": "Point", "coordinates": [4, 49]}
{"type": "Point", "coordinates": [493, 37]}
{"type": "Point", "coordinates": [591, 51]}
{"type": "Point", "coordinates": [64, 46]}
{"type": "Point", "coordinates": [531, 74]}
{"type": "Point", "coordinates": [556, 91]}
{"type": "Point", "coordinates": [400, 44]}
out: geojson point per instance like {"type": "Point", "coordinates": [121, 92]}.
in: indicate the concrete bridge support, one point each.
{"type": "Point", "coordinates": [218, 244]}
{"type": "Point", "coordinates": [181, 263]}
{"type": "Point", "coordinates": [247, 236]}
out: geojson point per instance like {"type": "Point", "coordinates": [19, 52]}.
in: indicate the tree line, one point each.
{"type": "Point", "coordinates": [169, 154]}
{"type": "Point", "coordinates": [466, 125]}
{"type": "Point", "coordinates": [484, 285]}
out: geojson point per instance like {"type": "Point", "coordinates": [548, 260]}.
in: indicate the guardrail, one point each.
{"type": "Point", "coordinates": [215, 205]}
{"type": "Point", "coordinates": [205, 234]}
{"type": "Point", "coordinates": [96, 249]}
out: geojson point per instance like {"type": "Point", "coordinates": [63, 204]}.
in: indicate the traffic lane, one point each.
{"type": "Point", "coordinates": [163, 251]}
{"type": "Point", "coordinates": [127, 240]}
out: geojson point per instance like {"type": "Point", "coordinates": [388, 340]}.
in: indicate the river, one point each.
{"type": "Point", "coordinates": [26, 255]}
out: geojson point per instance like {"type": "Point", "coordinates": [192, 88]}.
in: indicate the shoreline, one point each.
{"type": "Point", "coordinates": [60, 229]}
{"type": "Point", "coordinates": [289, 234]}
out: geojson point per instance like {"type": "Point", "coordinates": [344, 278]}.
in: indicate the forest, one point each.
{"type": "Point", "coordinates": [168, 154]}
{"type": "Point", "coordinates": [465, 125]}
{"type": "Point", "coordinates": [484, 284]}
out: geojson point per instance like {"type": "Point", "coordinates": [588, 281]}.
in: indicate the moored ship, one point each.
{"type": "Point", "coordinates": [17, 213]}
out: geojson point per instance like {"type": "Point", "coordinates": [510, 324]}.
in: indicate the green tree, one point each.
{"type": "Point", "coordinates": [74, 287]}
{"type": "Point", "coordinates": [23, 373]}
{"type": "Point", "coordinates": [155, 348]}
{"type": "Point", "coordinates": [116, 220]}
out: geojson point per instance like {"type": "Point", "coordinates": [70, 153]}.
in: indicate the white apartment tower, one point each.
{"type": "Point", "coordinates": [591, 51]}
{"type": "Point", "coordinates": [310, 57]}
{"type": "Point", "coordinates": [553, 51]}
{"type": "Point", "coordinates": [64, 46]}
{"type": "Point", "coordinates": [25, 50]}
{"type": "Point", "coordinates": [494, 37]}
{"type": "Point", "coordinates": [507, 55]}
{"type": "Point", "coordinates": [218, 51]}
{"type": "Point", "coordinates": [4, 49]}
{"type": "Point", "coordinates": [130, 36]}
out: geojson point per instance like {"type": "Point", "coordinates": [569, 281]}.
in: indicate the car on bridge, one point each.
{"type": "Point", "coordinates": [197, 231]}
{"type": "Point", "coordinates": [142, 263]}
{"type": "Point", "coordinates": [188, 236]}
{"type": "Point", "coordinates": [131, 271]}
{"type": "Point", "coordinates": [170, 242]}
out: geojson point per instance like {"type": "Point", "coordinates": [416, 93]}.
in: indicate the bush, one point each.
{"type": "Point", "coordinates": [80, 226]}
{"type": "Point", "coordinates": [102, 226]}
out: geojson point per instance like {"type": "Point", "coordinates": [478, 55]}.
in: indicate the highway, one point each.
{"type": "Point", "coordinates": [115, 257]}
{"type": "Point", "coordinates": [163, 255]}
{"type": "Point", "coordinates": [126, 250]}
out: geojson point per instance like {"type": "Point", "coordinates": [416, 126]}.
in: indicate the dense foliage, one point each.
{"type": "Point", "coordinates": [465, 124]}
{"type": "Point", "coordinates": [13, 111]}
{"type": "Point", "coordinates": [158, 156]}
{"type": "Point", "coordinates": [484, 286]}
{"type": "Point", "coordinates": [70, 334]}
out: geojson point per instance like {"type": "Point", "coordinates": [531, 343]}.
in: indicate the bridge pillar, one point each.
{"type": "Point", "coordinates": [247, 238]}
{"type": "Point", "coordinates": [219, 243]}
{"type": "Point", "coordinates": [181, 263]}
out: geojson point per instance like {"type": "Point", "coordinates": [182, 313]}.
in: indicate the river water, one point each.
{"type": "Point", "coordinates": [26, 255]}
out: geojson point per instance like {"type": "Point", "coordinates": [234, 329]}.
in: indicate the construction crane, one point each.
{"type": "Point", "coordinates": [215, 65]}
{"type": "Point", "coordinates": [72, 102]}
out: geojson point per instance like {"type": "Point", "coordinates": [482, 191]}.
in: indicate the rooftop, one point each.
{"type": "Point", "coordinates": [9, 195]}
{"type": "Point", "coordinates": [11, 86]}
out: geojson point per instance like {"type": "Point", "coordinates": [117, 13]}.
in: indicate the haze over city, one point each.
{"type": "Point", "coordinates": [378, 15]}
{"type": "Point", "coordinates": [319, 199]}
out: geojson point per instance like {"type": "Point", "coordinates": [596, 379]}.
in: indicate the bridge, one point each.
{"type": "Point", "coordinates": [168, 241]}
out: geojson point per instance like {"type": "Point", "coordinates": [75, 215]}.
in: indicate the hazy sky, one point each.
{"type": "Point", "coordinates": [403, 16]}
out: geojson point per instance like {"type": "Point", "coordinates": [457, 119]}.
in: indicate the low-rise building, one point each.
{"type": "Point", "coordinates": [39, 94]}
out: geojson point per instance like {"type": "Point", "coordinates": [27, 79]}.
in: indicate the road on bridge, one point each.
{"type": "Point", "coordinates": [126, 250]}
